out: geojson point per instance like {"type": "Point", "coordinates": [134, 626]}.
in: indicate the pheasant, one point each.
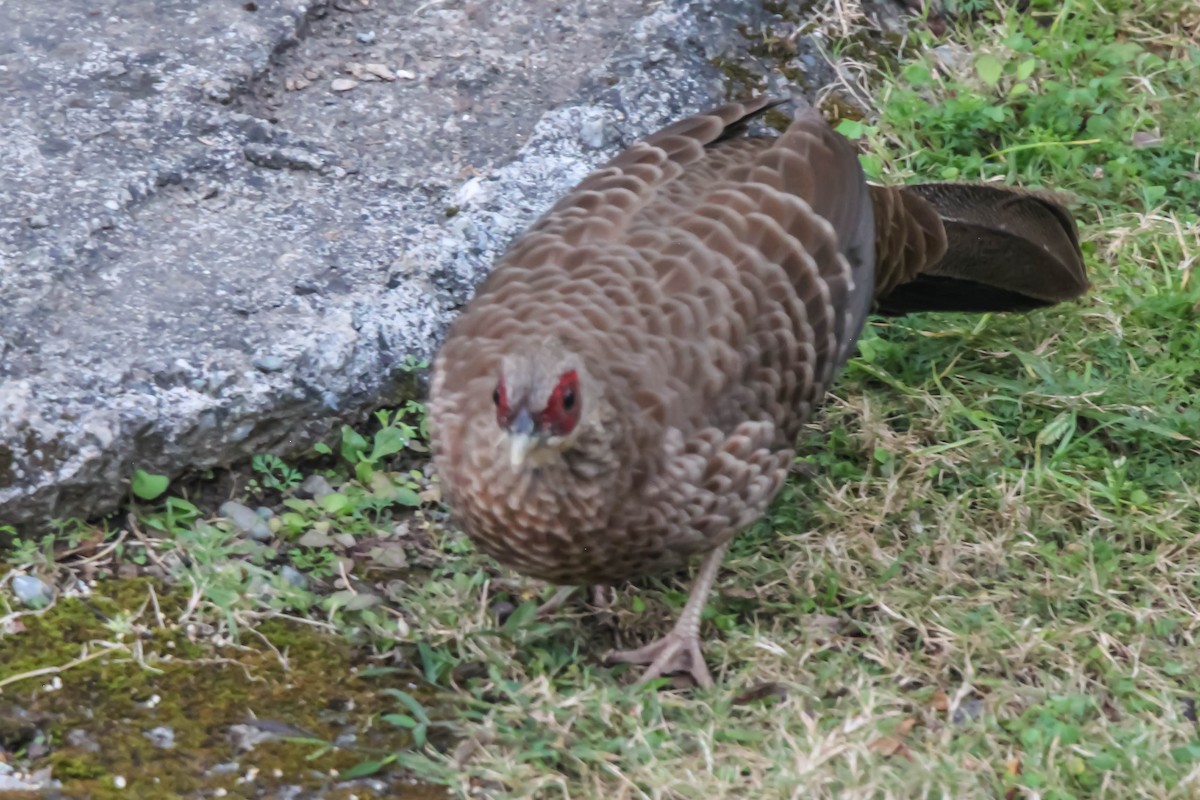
{"type": "Point", "coordinates": [623, 392]}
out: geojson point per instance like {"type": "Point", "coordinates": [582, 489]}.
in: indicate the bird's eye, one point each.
{"type": "Point", "coordinates": [496, 396]}
{"type": "Point", "coordinates": [568, 399]}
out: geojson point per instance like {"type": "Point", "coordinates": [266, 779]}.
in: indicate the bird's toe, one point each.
{"type": "Point", "coordinates": [672, 654]}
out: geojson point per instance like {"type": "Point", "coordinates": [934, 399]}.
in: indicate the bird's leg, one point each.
{"type": "Point", "coordinates": [679, 650]}
{"type": "Point", "coordinates": [602, 596]}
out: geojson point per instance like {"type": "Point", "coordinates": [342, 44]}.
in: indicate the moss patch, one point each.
{"type": "Point", "coordinates": [156, 674]}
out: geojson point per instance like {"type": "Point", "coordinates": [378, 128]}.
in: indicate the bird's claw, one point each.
{"type": "Point", "coordinates": [673, 653]}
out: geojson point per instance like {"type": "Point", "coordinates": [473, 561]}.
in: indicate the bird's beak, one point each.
{"type": "Point", "coordinates": [521, 444]}
{"type": "Point", "coordinates": [521, 437]}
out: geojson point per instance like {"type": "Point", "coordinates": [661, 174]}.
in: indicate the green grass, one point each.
{"type": "Point", "coordinates": [986, 582]}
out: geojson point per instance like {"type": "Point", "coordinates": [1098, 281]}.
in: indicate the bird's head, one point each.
{"type": "Point", "coordinates": [540, 396]}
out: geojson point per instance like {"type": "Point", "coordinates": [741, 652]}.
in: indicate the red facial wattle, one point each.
{"type": "Point", "coordinates": [561, 414]}
{"type": "Point", "coordinates": [558, 418]}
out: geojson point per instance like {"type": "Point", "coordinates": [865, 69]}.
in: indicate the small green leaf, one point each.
{"type": "Point", "coordinates": [989, 69]}
{"type": "Point", "coordinates": [1187, 753]}
{"type": "Point", "coordinates": [387, 442]}
{"type": "Point", "coordinates": [1026, 68]}
{"type": "Point", "coordinates": [365, 768]}
{"type": "Point", "coordinates": [430, 665]}
{"type": "Point", "coordinates": [322, 448]}
{"type": "Point", "coordinates": [182, 507]}
{"type": "Point", "coordinates": [872, 165]}
{"type": "Point", "coordinates": [418, 710]}
{"type": "Point", "coordinates": [406, 497]}
{"type": "Point", "coordinates": [917, 74]}
{"type": "Point", "coordinates": [148, 486]}
{"type": "Point", "coordinates": [364, 471]}
{"type": "Point", "coordinates": [335, 503]}
{"type": "Point", "coordinates": [353, 444]}
{"type": "Point", "coordinates": [851, 128]}
{"type": "Point", "coordinates": [400, 720]}
{"type": "Point", "coordinates": [522, 616]}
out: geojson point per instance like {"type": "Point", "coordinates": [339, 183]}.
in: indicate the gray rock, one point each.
{"type": "Point", "coordinates": [315, 486]}
{"type": "Point", "coordinates": [293, 576]}
{"type": "Point", "coordinates": [31, 590]}
{"type": "Point", "coordinates": [162, 737]}
{"type": "Point", "coordinates": [192, 169]}
{"type": "Point", "coordinates": [82, 740]}
{"type": "Point", "coordinates": [246, 520]}
{"type": "Point", "coordinates": [12, 783]}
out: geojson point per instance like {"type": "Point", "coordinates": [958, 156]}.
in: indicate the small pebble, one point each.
{"type": "Point", "coordinates": [39, 221]}
{"type": "Point", "coordinates": [161, 737]}
{"type": "Point", "coordinates": [119, 781]}
{"type": "Point", "coordinates": [365, 37]}
{"type": "Point", "coordinates": [261, 532]}
{"type": "Point", "coordinates": [82, 740]}
{"type": "Point", "coordinates": [316, 487]}
{"type": "Point", "coordinates": [343, 84]}
{"type": "Point", "coordinates": [246, 520]}
{"type": "Point", "coordinates": [592, 133]}
{"type": "Point", "coordinates": [239, 515]}
{"type": "Point", "coordinates": [247, 737]}
{"type": "Point", "coordinates": [264, 513]}
{"type": "Point", "coordinates": [502, 610]}
{"type": "Point", "coordinates": [293, 576]}
{"type": "Point", "coordinates": [380, 71]}
{"type": "Point", "coordinates": [314, 538]}
{"type": "Point", "coordinates": [31, 590]}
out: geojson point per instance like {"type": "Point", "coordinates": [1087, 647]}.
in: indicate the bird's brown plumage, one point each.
{"type": "Point", "coordinates": [705, 287]}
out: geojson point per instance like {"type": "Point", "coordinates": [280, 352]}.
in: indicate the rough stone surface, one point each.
{"type": "Point", "coordinates": [212, 245]}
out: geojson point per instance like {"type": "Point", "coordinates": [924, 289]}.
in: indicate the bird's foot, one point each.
{"type": "Point", "coordinates": [675, 652]}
